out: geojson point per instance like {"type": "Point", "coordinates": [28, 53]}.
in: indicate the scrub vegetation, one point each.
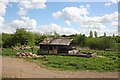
{"type": "Point", "coordinates": [96, 44]}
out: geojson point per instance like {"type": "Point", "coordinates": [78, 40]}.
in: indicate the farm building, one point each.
{"type": "Point", "coordinates": [55, 45]}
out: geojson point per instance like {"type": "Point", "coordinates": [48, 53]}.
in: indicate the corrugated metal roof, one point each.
{"type": "Point", "coordinates": [57, 41]}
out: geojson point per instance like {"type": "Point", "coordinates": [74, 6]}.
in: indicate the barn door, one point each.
{"type": "Point", "coordinates": [55, 50]}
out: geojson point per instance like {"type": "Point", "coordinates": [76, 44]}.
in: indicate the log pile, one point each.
{"type": "Point", "coordinates": [23, 47]}
{"type": "Point", "coordinates": [15, 47]}
{"type": "Point", "coordinates": [27, 55]}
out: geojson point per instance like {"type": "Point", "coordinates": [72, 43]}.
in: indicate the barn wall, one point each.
{"type": "Point", "coordinates": [52, 48]}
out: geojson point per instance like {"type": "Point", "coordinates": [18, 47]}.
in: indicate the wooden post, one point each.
{"type": "Point", "coordinates": [32, 49]}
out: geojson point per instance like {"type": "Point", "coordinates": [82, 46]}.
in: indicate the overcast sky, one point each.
{"type": "Point", "coordinates": [63, 17]}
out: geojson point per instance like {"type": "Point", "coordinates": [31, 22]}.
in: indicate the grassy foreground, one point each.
{"type": "Point", "coordinates": [108, 63]}
{"type": "Point", "coordinates": [12, 52]}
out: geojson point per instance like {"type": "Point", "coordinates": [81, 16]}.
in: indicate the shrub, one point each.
{"type": "Point", "coordinates": [100, 43]}
{"type": "Point", "coordinates": [18, 44]}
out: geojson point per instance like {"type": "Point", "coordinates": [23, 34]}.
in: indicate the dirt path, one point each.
{"type": "Point", "coordinates": [19, 68]}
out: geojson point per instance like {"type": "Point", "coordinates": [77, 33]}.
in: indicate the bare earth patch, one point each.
{"type": "Point", "coordinates": [19, 68]}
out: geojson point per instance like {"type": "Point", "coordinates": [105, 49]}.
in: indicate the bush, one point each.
{"type": "Point", "coordinates": [80, 40]}
{"type": "Point", "coordinates": [18, 44]}
{"type": "Point", "coordinates": [100, 43]}
{"type": "Point", "coordinates": [20, 37]}
{"type": "Point", "coordinates": [7, 40]}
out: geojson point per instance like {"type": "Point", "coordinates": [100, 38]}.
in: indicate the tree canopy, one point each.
{"type": "Point", "coordinates": [21, 37]}
{"type": "Point", "coordinates": [91, 34]}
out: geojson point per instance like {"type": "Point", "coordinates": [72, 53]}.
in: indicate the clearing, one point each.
{"type": "Point", "coordinates": [20, 68]}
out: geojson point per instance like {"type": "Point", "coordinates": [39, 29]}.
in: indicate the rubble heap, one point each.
{"type": "Point", "coordinates": [27, 54]}
{"type": "Point", "coordinates": [84, 54]}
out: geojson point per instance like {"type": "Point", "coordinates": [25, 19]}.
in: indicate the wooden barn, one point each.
{"type": "Point", "coordinates": [56, 45]}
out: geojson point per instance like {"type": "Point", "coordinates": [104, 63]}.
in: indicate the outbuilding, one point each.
{"type": "Point", "coordinates": [56, 45]}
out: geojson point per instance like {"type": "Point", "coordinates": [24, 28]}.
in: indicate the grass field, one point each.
{"type": "Point", "coordinates": [108, 63]}
{"type": "Point", "coordinates": [11, 52]}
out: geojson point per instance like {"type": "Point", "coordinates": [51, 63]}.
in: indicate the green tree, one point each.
{"type": "Point", "coordinates": [108, 42]}
{"type": "Point", "coordinates": [91, 34]}
{"type": "Point", "coordinates": [100, 43]}
{"type": "Point", "coordinates": [64, 35]}
{"type": "Point", "coordinates": [117, 39]}
{"type": "Point", "coordinates": [7, 40]}
{"type": "Point", "coordinates": [39, 38]}
{"type": "Point", "coordinates": [80, 40]}
{"type": "Point", "coordinates": [22, 37]}
{"type": "Point", "coordinates": [0, 39]}
{"type": "Point", "coordinates": [56, 34]}
{"type": "Point", "coordinates": [30, 39]}
{"type": "Point", "coordinates": [72, 36]}
{"type": "Point", "coordinates": [95, 34]}
{"type": "Point", "coordinates": [92, 43]}
{"type": "Point", "coordinates": [113, 35]}
{"type": "Point", "coordinates": [104, 34]}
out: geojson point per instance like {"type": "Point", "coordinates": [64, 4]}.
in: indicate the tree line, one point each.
{"type": "Point", "coordinates": [23, 37]}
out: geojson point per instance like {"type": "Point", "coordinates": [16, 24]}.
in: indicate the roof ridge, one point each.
{"type": "Point", "coordinates": [57, 41]}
